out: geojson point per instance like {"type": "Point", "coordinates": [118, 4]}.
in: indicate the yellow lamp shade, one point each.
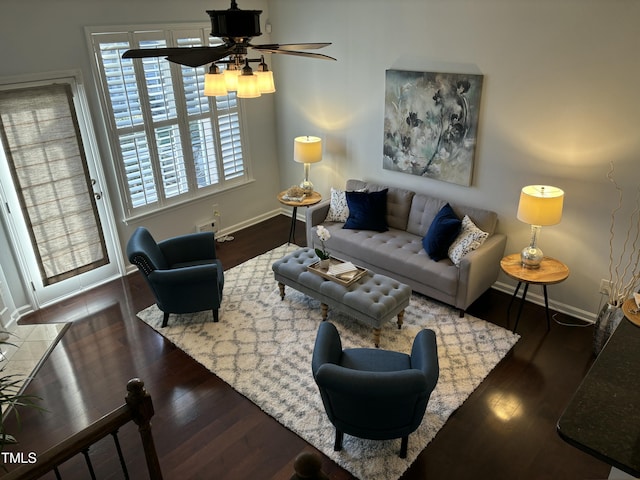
{"type": "Point", "coordinates": [540, 205]}
{"type": "Point", "coordinates": [248, 86]}
{"type": "Point", "coordinates": [265, 81]}
{"type": "Point", "coordinates": [215, 84]}
{"type": "Point", "coordinates": [231, 79]}
{"type": "Point", "coordinates": [307, 149]}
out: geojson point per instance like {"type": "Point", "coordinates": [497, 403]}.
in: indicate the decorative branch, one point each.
{"type": "Point", "coordinates": [628, 262]}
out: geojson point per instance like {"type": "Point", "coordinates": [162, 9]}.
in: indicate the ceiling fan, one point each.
{"type": "Point", "coordinates": [236, 28]}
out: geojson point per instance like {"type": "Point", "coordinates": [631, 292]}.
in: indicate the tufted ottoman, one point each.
{"type": "Point", "coordinates": [374, 299]}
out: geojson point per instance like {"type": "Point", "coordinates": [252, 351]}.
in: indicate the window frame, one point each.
{"type": "Point", "coordinates": [182, 122]}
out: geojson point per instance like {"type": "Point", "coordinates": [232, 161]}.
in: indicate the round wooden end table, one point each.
{"type": "Point", "coordinates": [631, 311]}
{"type": "Point", "coordinates": [551, 271]}
{"type": "Point", "coordinates": [307, 201]}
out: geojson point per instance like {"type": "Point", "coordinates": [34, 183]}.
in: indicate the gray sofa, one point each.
{"type": "Point", "coordinates": [398, 252]}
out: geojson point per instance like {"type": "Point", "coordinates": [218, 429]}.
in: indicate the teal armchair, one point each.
{"type": "Point", "coordinates": [372, 393]}
{"type": "Point", "coordinates": [183, 272]}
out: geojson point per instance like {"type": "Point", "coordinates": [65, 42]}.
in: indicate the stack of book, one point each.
{"type": "Point", "coordinates": [344, 270]}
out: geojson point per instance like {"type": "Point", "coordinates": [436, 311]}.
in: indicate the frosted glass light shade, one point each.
{"type": "Point", "coordinates": [248, 86]}
{"type": "Point", "coordinates": [265, 81]}
{"type": "Point", "coordinates": [231, 79]}
{"type": "Point", "coordinates": [215, 84]}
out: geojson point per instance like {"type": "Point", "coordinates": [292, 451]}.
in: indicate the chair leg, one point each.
{"type": "Point", "coordinates": [337, 446]}
{"type": "Point", "coordinates": [403, 446]}
{"type": "Point", "coordinates": [165, 319]}
{"type": "Point", "coordinates": [215, 315]}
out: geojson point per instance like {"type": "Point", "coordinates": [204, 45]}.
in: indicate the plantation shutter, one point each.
{"type": "Point", "coordinates": [44, 149]}
{"type": "Point", "coordinates": [173, 142]}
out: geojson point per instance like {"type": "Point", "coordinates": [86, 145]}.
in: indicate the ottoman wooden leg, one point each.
{"type": "Point", "coordinates": [281, 287]}
{"type": "Point", "coordinates": [376, 337]}
{"type": "Point", "coordinates": [325, 311]}
{"type": "Point", "coordinates": [400, 319]}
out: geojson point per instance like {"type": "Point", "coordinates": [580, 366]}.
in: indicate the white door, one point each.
{"type": "Point", "coordinates": [59, 221]}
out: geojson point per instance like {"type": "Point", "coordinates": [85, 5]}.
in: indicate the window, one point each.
{"type": "Point", "coordinates": [170, 141]}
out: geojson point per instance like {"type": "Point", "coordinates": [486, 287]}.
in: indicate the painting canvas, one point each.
{"type": "Point", "coordinates": [431, 123]}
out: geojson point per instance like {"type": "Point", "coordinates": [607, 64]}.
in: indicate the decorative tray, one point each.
{"type": "Point", "coordinates": [344, 278]}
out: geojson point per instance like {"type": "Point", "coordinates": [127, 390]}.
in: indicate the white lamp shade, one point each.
{"type": "Point", "coordinates": [215, 84]}
{"type": "Point", "coordinates": [265, 81]}
{"type": "Point", "coordinates": [540, 205]}
{"type": "Point", "coordinates": [307, 149]}
{"type": "Point", "coordinates": [248, 86]}
{"type": "Point", "coordinates": [231, 79]}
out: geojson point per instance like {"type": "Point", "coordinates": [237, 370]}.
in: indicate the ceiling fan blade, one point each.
{"type": "Point", "coordinates": [188, 56]}
{"type": "Point", "coordinates": [293, 52]}
{"type": "Point", "coordinates": [291, 46]}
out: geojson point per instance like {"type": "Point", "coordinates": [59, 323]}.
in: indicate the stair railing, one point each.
{"type": "Point", "coordinates": [138, 408]}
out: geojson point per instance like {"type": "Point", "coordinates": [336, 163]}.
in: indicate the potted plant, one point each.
{"type": "Point", "coordinates": [624, 270]}
{"type": "Point", "coordinates": [323, 253]}
{"type": "Point", "coordinates": [11, 395]}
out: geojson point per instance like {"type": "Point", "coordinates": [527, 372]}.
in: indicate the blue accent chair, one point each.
{"type": "Point", "coordinates": [183, 272]}
{"type": "Point", "coordinates": [372, 393]}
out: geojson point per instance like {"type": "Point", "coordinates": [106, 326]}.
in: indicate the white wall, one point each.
{"type": "Point", "coordinates": [40, 36]}
{"type": "Point", "coordinates": [560, 101]}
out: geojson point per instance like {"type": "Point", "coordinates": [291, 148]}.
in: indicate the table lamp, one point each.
{"type": "Point", "coordinates": [307, 150]}
{"type": "Point", "coordinates": [539, 205]}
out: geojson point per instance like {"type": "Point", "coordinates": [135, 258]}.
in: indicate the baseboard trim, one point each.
{"type": "Point", "coordinates": [251, 221]}
{"type": "Point", "coordinates": [538, 299]}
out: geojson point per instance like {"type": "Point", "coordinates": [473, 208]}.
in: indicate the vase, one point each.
{"type": "Point", "coordinates": [324, 263]}
{"type": "Point", "coordinates": [607, 321]}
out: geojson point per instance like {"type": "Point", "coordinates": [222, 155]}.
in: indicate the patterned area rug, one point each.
{"type": "Point", "coordinates": [262, 347]}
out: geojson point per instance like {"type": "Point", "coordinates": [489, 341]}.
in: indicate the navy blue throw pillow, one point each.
{"type": "Point", "coordinates": [442, 232]}
{"type": "Point", "coordinates": [367, 211]}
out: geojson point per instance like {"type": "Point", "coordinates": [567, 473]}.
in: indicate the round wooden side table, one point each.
{"type": "Point", "coordinates": [631, 311]}
{"type": "Point", "coordinates": [307, 201]}
{"type": "Point", "coordinates": [551, 271]}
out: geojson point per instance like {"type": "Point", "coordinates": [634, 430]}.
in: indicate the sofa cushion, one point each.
{"type": "Point", "coordinates": [469, 239]}
{"type": "Point", "coordinates": [485, 220]}
{"type": "Point", "coordinates": [367, 211]}
{"type": "Point", "coordinates": [424, 209]}
{"type": "Point", "coordinates": [393, 251]}
{"type": "Point", "coordinates": [442, 232]}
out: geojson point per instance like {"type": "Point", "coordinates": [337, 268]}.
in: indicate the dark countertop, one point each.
{"type": "Point", "coordinates": [603, 417]}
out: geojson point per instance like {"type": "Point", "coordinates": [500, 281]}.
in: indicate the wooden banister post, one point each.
{"type": "Point", "coordinates": [139, 401]}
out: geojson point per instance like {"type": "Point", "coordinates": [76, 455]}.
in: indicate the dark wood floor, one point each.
{"type": "Point", "coordinates": [205, 430]}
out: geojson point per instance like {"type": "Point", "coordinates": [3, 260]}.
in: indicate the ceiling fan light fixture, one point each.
{"type": "Point", "coordinates": [236, 28]}
{"type": "Point", "coordinates": [214, 82]}
{"type": "Point", "coordinates": [265, 78]}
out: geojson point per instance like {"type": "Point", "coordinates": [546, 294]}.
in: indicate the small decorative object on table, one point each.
{"type": "Point", "coordinates": [294, 194]}
{"type": "Point", "coordinates": [340, 271]}
{"type": "Point", "coordinates": [322, 253]}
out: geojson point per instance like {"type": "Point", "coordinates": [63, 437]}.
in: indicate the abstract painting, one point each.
{"type": "Point", "coordinates": [431, 123]}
